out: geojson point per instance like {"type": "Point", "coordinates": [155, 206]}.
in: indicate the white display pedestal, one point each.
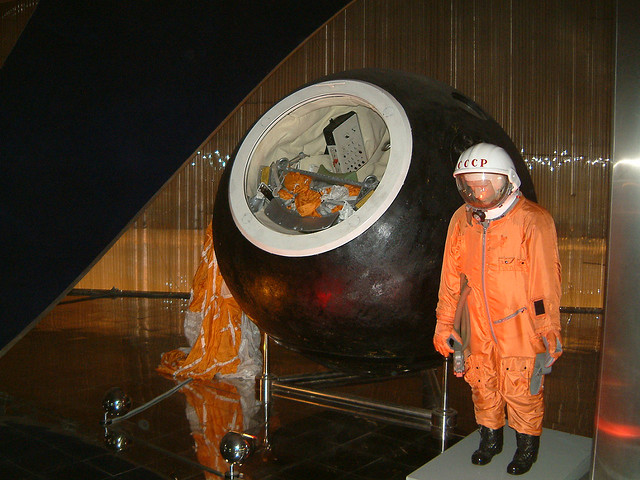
{"type": "Point", "coordinates": [562, 456]}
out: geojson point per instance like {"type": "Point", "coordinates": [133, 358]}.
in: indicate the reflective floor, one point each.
{"type": "Point", "coordinates": [53, 381]}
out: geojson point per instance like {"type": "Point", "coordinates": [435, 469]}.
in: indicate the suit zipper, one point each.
{"type": "Point", "coordinates": [517, 312]}
{"type": "Point", "coordinates": [484, 287]}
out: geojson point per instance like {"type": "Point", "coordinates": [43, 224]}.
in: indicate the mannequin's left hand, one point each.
{"type": "Point", "coordinates": [554, 340]}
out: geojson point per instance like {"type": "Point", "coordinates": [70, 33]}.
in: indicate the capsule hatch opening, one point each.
{"type": "Point", "coordinates": [320, 167]}
{"type": "Point", "coordinates": [317, 165]}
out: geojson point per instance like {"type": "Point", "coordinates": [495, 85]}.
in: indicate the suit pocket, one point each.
{"type": "Point", "coordinates": [512, 264]}
{"type": "Point", "coordinates": [473, 371]}
{"type": "Point", "coordinates": [480, 373]}
{"type": "Point", "coordinates": [515, 375]}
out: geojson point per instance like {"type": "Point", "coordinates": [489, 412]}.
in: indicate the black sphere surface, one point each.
{"type": "Point", "coordinates": [369, 305]}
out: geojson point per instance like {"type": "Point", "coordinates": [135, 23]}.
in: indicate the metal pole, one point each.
{"type": "Point", "coordinates": [265, 390]}
{"type": "Point", "coordinates": [445, 384]}
{"type": "Point", "coordinates": [265, 382]}
{"type": "Point", "coordinates": [443, 419]}
{"type": "Point", "coordinates": [445, 403]}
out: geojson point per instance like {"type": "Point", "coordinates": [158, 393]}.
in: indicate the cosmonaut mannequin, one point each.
{"type": "Point", "coordinates": [500, 273]}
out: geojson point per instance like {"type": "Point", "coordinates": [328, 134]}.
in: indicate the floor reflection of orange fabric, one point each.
{"type": "Point", "coordinates": [212, 412]}
{"type": "Point", "coordinates": [216, 348]}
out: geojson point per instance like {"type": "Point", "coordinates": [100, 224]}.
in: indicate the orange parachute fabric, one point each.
{"type": "Point", "coordinates": [298, 186]}
{"type": "Point", "coordinates": [285, 194]}
{"type": "Point", "coordinates": [296, 182]}
{"type": "Point", "coordinates": [307, 201]}
{"type": "Point", "coordinates": [216, 348]}
{"type": "Point", "coordinates": [353, 190]}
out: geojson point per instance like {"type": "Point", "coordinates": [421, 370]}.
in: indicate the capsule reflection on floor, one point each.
{"type": "Point", "coordinates": [54, 381]}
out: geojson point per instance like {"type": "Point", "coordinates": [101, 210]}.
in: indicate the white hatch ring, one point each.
{"type": "Point", "coordinates": [296, 244]}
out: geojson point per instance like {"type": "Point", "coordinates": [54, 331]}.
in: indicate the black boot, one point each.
{"type": "Point", "coordinates": [526, 454]}
{"type": "Point", "coordinates": [490, 445]}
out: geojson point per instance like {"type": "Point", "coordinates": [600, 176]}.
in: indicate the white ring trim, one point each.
{"type": "Point", "coordinates": [301, 245]}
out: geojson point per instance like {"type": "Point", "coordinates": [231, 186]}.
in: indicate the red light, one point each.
{"type": "Point", "coordinates": [323, 298]}
{"type": "Point", "coordinates": [619, 430]}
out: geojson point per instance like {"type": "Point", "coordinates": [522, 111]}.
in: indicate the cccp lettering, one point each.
{"type": "Point", "coordinates": [476, 162]}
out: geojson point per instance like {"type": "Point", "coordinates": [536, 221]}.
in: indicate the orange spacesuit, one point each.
{"type": "Point", "coordinates": [505, 250]}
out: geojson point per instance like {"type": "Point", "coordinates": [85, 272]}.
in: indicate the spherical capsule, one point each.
{"type": "Point", "coordinates": [355, 288]}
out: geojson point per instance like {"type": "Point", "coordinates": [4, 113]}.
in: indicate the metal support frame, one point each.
{"type": "Point", "coordinates": [306, 388]}
{"type": "Point", "coordinates": [616, 443]}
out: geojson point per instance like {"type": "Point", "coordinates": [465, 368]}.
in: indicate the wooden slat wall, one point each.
{"type": "Point", "coordinates": [14, 16]}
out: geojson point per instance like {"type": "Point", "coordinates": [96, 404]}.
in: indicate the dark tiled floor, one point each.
{"type": "Point", "coordinates": [46, 450]}
{"type": "Point", "coordinates": [54, 380]}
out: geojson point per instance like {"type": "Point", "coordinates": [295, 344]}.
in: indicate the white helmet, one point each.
{"type": "Point", "coordinates": [485, 176]}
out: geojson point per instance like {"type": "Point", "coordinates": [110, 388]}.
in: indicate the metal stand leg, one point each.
{"type": "Point", "coordinates": [265, 381]}
{"type": "Point", "coordinates": [444, 419]}
{"type": "Point", "coordinates": [265, 390]}
{"type": "Point", "coordinates": [307, 388]}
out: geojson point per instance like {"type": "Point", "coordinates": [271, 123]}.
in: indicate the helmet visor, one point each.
{"type": "Point", "coordinates": [483, 190]}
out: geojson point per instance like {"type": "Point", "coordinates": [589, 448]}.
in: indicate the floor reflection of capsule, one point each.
{"type": "Point", "coordinates": [53, 381]}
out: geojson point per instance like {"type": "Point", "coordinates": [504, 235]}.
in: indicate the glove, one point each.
{"type": "Point", "coordinates": [441, 338]}
{"type": "Point", "coordinates": [554, 343]}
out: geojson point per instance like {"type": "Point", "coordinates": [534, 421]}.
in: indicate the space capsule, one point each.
{"type": "Point", "coordinates": [331, 216]}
